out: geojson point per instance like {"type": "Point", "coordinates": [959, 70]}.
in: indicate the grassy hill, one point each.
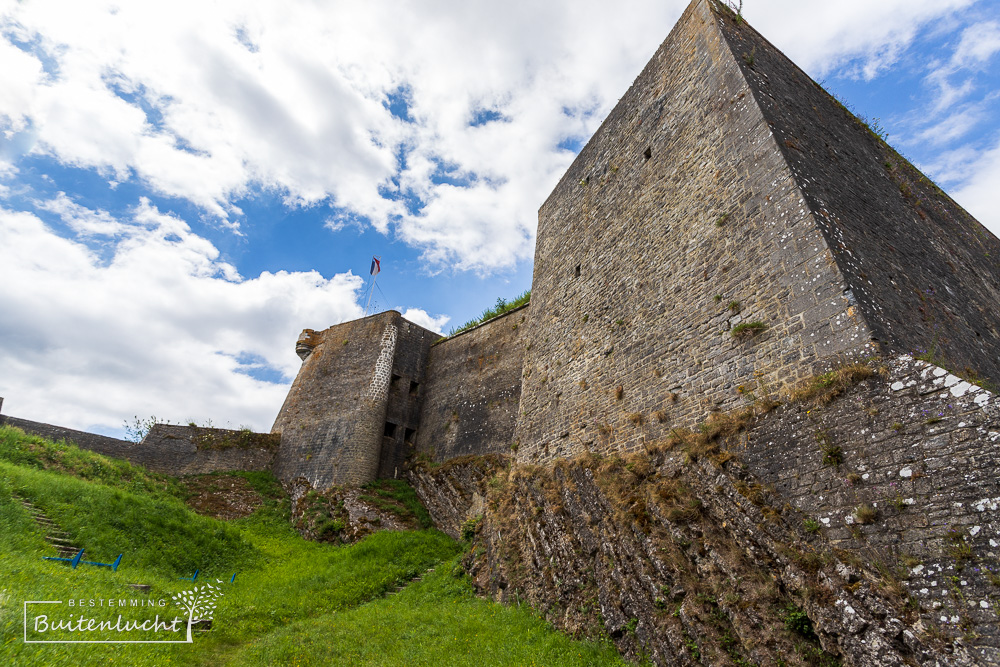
{"type": "Point", "coordinates": [294, 602]}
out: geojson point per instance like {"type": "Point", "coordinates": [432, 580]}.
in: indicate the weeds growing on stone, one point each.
{"type": "Point", "coordinates": [821, 389]}
{"type": "Point", "coordinates": [745, 330]}
{"type": "Point", "coordinates": [502, 306]}
{"type": "Point", "coordinates": [959, 547]}
{"type": "Point", "coordinates": [865, 514]}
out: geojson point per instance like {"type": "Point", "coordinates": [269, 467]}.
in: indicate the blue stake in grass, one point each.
{"type": "Point", "coordinates": [74, 561]}
{"type": "Point", "coordinates": [192, 577]}
{"type": "Point", "coordinates": [113, 566]}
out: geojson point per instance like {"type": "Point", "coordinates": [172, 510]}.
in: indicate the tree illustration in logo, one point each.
{"type": "Point", "coordinates": [199, 603]}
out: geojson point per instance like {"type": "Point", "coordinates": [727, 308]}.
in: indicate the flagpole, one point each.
{"type": "Point", "coordinates": [375, 270]}
{"type": "Point", "coordinates": [371, 289]}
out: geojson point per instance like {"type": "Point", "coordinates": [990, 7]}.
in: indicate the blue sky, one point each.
{"type": "Point", "coordinates": [185, 186]}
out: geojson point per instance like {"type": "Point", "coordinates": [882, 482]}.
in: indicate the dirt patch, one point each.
{"type": "Point", "coordinates": [222, 496]}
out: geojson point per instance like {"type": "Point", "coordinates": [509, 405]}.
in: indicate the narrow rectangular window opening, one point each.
{"type": "Point", "coordinates": [410, 435]}
{"type": "Point", "coordinates": [390, 430]}
{"type": "Point", "coordinates": [648, 153]}
{"type": "Point", "coordinates": [577, 270]}
{"type": "Point", "coordinates": [414, 386]}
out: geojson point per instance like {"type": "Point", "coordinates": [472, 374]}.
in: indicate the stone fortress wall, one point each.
{"type": "Point", "coordinates": [922, 271]}
{"type": "Point", "coordinates": [474, 389]}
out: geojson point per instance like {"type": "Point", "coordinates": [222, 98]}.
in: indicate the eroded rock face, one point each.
{"type": "Point", "coordinates": [340, 514]}
{"type": "Point", "coordinates": [683, 561]}
{"type": "Point", "coordinates": [454, 493]}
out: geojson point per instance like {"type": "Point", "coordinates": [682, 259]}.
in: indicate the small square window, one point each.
{"type": "Point", "coordinates": [410, 435]}
{"type": "Point", "coordinates": [390, 430]}
{"type": "Point", "coordinates": [414, 386]}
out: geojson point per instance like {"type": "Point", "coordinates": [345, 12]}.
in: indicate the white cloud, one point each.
{"type": "Point", "coordinates": [950, 128]}
{"type": "Point", "coordinates": [209, 102]}
{"type": "Point", "coordinates": [821, 37]}
{"type": "Point", "coordinates": [978, 192]}
{"type": "Point", "coordinates": [81, 219]}
{"type": "Point", "coordinates": [979, 43]}
{"type": "Point", "coordinates": [420, 317]}
{"type": "Point", "coordinates": [164, 323]}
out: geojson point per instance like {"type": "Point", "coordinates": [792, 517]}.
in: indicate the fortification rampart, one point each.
{"type": "Point", "coordinates": [895, 475]}
{"type": "Point", "coordinates": [473, 390]}
{"type": "Point", "coordinates": [195, 450]}
{"type": "Point", "coordinates": [120, 449]}
{"type": "Point", "coordinates": [904, 466]}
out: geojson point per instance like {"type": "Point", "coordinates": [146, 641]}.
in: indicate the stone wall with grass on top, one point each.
{"type": "Point", "coordinates": [473, 389]}
{"type": "Point", "coordinates": [169, 448]}
{"type": "Point", "coordinates": [869, 492]}
{"type": "Point", "coordinates": [102, 444]}
{"type": "Point", "coordinates": [664, 554]}
{"type": "Point", "coordinates": [194, 450]}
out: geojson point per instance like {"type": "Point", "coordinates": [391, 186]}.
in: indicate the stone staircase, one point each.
{"type": "Point", "coordinates": [54, 535]}
{"type": "Point", "coordinates": [403, 584]}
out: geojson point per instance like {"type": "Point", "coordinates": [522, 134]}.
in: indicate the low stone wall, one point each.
{"type": "Point", "coordinates": [877, 511]}
{"type": "Point", "coordinates": [119, 449]}
{"type": "Point", "coordinates": [171, 449]}
{"type": "Point", "coordinates": [667, 557]}
{"type": "Point", "coordinates": [195, 450]}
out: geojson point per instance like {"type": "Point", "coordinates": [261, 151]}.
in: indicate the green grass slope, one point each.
{"type": "Point", "coordinates": [436, 621]}
{"type": "Point", "coordinates": [293, 601]}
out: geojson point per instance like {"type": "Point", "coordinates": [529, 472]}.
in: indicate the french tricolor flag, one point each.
{"type": "Point", "coordinates": [376, 266]}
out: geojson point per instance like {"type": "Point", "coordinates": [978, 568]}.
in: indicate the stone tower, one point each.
{"type": "Point", "coordinates": [354, 405]}
{"type": "Point", "coordinates": [729, 229]}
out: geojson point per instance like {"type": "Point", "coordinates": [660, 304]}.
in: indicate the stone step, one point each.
{"type": "Point", "coordinates": [54, 535]}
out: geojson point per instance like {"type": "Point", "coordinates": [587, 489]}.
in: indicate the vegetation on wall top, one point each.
{"type": "Point", "coordinates": [502, 306]}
